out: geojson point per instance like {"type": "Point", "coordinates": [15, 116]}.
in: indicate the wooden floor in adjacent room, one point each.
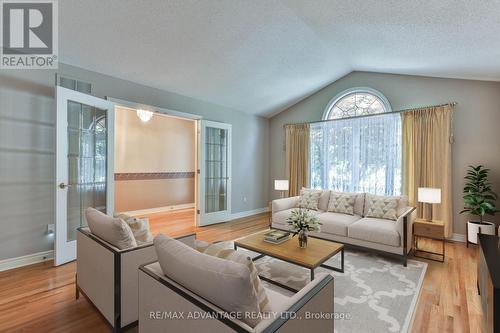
{"type": "Point", "coordinates": [41, 298]}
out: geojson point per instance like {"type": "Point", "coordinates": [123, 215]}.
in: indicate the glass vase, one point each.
{"type": "Point", "coordinates": [302, 239]}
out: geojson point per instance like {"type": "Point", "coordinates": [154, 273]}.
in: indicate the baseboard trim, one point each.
{"type": "Point", "coordinates": [29, 259]}
{"type": "Point", "coordinates": [159, 209]}
{"type": "Point", "coordinates": [458, 238]}
{"type": "Point", "coordinates": [247, 213]}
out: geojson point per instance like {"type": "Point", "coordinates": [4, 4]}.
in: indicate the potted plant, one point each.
{"type": "Point", "coordinates": [303, 221]}
{"type": "Point", "coordinates": [479, 200]}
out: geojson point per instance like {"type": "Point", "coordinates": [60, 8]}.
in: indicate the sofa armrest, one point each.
{"type": "Point", "coordinates": [404, 226]}
{"type": "Point", "coordinates": [283, 204]}
{"type": "Point", "coordinates": [316, 297]}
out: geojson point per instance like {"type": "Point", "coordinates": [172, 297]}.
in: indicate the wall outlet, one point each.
{"type": "Point", "coordinates": [244, 199]}
{"type": "Point", "coordinates": [51, 228]}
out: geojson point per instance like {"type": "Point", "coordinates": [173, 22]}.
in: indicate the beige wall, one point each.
{"type": "Point", "coordinates": [477, 119]}
{"type": "Point", "coordinates": [164, 144]}
{"type": "Point", "coordinates": [133, 195]}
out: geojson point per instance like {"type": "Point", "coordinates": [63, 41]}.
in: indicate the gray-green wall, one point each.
{"type": "Point", "coordinates": [27, 118]}
{"type": "Point", "coordinates": [477, 120]}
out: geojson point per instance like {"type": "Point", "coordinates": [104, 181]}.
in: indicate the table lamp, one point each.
{"type": "Point", "coordinates": [281, 185]}
{"type": "Point", "coordinates": [430, 196]}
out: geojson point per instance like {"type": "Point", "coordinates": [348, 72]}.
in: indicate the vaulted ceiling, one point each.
{"type": "Point", "coordinates": [261, 56]}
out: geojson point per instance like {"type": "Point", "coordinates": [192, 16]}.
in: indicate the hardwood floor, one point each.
{"type": "Point", "coordinates": [449, 301]}
{"type": "Point", "coordinates": [41, 298]}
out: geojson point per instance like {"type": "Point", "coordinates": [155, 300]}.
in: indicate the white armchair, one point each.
{"type": "Point", "coordinates": [166, 306]}
{"type": "Point", "coordinates": [107, 276]}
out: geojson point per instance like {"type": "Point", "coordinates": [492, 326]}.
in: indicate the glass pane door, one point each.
{"type": "Point", "coordinates": [215, 178]}
{"type": "Point", "coordinates": [216, 170]}
{"type": "Point", "coordinates": [84, 165]}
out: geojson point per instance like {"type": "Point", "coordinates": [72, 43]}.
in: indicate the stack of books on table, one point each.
{"type": "Point", "coordinates": [276, 236]}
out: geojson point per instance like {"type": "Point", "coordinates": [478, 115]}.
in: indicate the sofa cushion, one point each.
{"type": "Point", "coordinates": [341, 203]}
{"type": "Point", "coordinates": [219, 251]}
{"type": "Point", "coordinates": [323, 201]}
{"type": "Point", "coordinates": [336, 223]}
{"type": "Point", "coordinates": [277, 301]}
{"type": "Point", "coordinates": [402, 204]}
{"type": "Point", "coordinates": [281, 216]}
{"type": "Point", "coordinates": [359, 202]}
{"type": "Point", "coordinates": [309, 199]}
{"type": "Point", "coordinates": [375, 230]}
{"type": "Point", "coordinates": [110, 229]}
{"type": "Point", "coordinates": [382, 207]}
{"type": "Point", "coordinates": [225, 283]}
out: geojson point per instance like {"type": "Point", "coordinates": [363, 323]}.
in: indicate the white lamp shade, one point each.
{"type": "Point", "coordinates": [281, 185]}
{"type": "Point", "coordinates": [429, 195]}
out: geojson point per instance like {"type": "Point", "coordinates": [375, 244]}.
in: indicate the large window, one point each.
{"type": "Point", "coordinates": [359, 150]}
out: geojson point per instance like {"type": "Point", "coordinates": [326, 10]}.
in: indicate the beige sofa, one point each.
{"type": "Point", "coordinates": [108, 276]}
{"type": "Point", "coordinates": [381, 235]}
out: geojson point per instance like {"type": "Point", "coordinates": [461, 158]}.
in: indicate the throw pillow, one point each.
{"type": "Point", "coordinates": [140, 228]}
{"type": "Point", "coordinates": [232, 255]}
{"type": "Point", "coordinates": [383, 207]}
{"type": "Point", "coordinates": [341, 203]}
{"type": "Point", "coordinates": [309, 199]}
{"type": "Point", "coordinates": [112, 230]}
{"type": "Point", "coordinates": [225, 283]}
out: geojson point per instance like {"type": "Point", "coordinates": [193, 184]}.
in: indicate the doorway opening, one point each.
{"type": "Point", "coordinates": [155, 169]}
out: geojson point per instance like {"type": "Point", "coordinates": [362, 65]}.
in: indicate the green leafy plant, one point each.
{"type": "Point", "coordinates": [303, 220]}
{"type": "Point", "coordinates": [479, 198]}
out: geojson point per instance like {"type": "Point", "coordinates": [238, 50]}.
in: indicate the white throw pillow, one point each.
{"type": "Point", "coordinates": [110, 229]}
{"type": "Point", "coordinates": [140, 228]}
{"type": "Point", "coordinates": [341, 203]}
{"type": "Point", "coordinates": [233, 255]}
{"type": "Point", "coordinates": [225, 283]}
{"type": "Point", "coordinates": [309, 199]}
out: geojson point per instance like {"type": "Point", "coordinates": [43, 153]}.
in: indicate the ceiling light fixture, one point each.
{"type": "Point", "coordinates": [144, 115]}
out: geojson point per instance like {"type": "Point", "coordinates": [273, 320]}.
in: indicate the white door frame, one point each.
{"type": "Point", "coordinates": [121, 103]}
{"type": "Point", "coordinates": [66, 251]}
{"type": "Point", "coordinates": [221, 216]}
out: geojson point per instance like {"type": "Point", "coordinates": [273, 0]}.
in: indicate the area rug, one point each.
{"type": "Point", "coordinates": [374, 294]}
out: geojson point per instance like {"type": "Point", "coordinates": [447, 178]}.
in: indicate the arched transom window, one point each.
{"type": "Point", "coordinates": [357, 102]}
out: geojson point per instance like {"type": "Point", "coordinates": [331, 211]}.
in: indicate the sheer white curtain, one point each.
{"type": "Point", "coordinates": [357, 154]}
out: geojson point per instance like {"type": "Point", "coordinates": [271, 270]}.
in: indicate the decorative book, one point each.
{"type": "Point", "coordinates": [276, 236]}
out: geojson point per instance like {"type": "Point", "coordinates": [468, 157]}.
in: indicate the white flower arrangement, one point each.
{"type": "Point", "coordinates": [303, 220]}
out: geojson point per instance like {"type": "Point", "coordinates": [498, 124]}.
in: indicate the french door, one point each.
{"type": "Point", "coordinates": [214, 204]}
{"type": "Point", "coordinates": [84, 165]}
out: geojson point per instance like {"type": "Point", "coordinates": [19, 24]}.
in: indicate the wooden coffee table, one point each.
{"type": "Point", "coordinates": [317, 252]}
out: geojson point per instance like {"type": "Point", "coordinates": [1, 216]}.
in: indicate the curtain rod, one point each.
{"type": "Point", "coordinates": [375, 114]}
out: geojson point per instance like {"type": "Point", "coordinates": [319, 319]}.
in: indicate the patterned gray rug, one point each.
{"type": "Point", "coordinates": [374, 294]}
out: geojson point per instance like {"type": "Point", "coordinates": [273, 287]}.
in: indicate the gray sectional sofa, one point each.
{"type": "Point", "coordinates": [381, 235]}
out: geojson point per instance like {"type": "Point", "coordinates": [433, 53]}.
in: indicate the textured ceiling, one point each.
{"type": "Point", "coordinates": [260, 56]}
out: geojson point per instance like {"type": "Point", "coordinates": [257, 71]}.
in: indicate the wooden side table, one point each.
{"type": "Point", "coordinates": [428, 229]}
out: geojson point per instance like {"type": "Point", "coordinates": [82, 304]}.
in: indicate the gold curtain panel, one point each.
{"type": "Point", "coordinates": [427, 139]}
{"type": "Point", "coordinates": [297, 157]}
